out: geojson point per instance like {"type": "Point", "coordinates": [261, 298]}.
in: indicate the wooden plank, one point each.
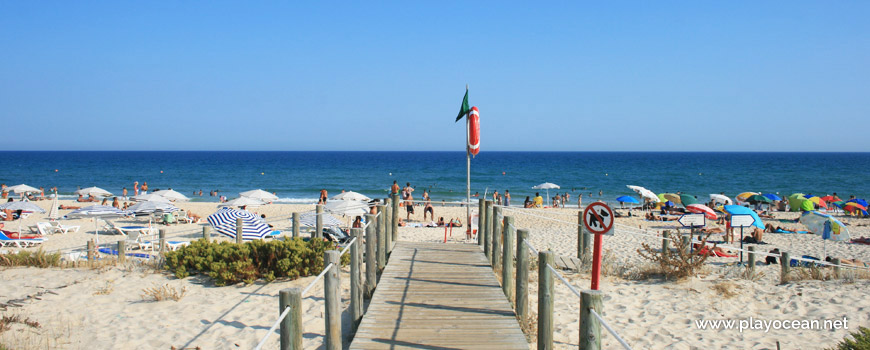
{"type": "Point", "coordinates": [439, 296]}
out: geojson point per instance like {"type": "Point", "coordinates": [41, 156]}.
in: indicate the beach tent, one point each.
{"type": "Point", "coordinates": [260, 195]}
{"type": "Point", "coordinates": [224, 222]}
{"type": "Point", "coordinates": [741, 210]}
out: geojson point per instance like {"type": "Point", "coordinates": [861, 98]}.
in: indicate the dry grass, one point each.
{"type": "Point", "coordinates": [106, 289]}
{"type": "Point", "coordinates": [164, 292]}
{"type": "Point", "coordinates": [675, 264]}
{"type": "Point", "coordinates": [726, 289]}
{"type": "Point", "coordinates": [6, 322]}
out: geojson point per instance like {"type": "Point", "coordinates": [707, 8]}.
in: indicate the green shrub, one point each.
{"type": "Point", "coordinates": [229, 263]}
{"type": "Point", "coordinates": [38, 258]}
{"type": "Point", "coordinates": [860, 341]}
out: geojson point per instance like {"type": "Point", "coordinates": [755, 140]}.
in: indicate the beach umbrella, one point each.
{"type": "Point", "coordinates": [94, 191]}
{"type": "Point", "coordinates": [702, 209]}
{"type": "Point", "coordinates": [97, 211]}
{"type": "Point", "coordinates": [831, 199]}
{"type": "Point", "coordinates": [859, 201]}
{"type": "Point", "coordinates": [818, 201]}
{"type": "Point", "coordinates": [22, 188]}
{"type": "Point", "coordinates": [351, 196]}
{"type": "Point", "coordinates": [151, 206]}
{"type": "Point", "coordinates": [673, 197]}
{"type": "Point", "coordinates": [741, 210]}
{"type": "Point", "coordinates": [826, 226]}
{"type": "Point", "coordinates": [259, 194]}
{"type": "Point", "coordinates": [757, 198]}
{"type": "Point", "coordinates": [23, 206]}
{"type": "Point", "coordinates": [351, 208]}
{"type": "Point", "coordinates": [172, 195]}
{"type": "Point", "coordinates": [743, 196]}
{"type": "Point", "coordinates": [309, 219]}
{"type": "Point", "coordinates": [627, 199]}
{"type": "Point", "coordinates": [772, 197]}
{"type": "Point", "coordinates": [853, 205]}
{"type": "Point", "coordinates": [645, 193]}
{"type": "Point", "coordinates": [796, 201]}
{"type": "Point", "coordinates": [242, 202]}
{"type": "Point", "coordinates": [686, 199]}
{"type": "Point", "coordinates": [224, 222]}
{"type": "Point", "coordinates": [546, 186]}
{"type": "Point", "coordinates": [150, 197]}
{"type": "Point", "coordinates": [718, 198]}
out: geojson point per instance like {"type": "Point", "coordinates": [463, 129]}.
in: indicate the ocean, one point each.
{"type": "Point", "coordinates": [297, 177]}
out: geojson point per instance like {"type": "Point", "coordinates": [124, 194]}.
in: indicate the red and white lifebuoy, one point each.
{"type": "Point", "coordinates": [474, 131]}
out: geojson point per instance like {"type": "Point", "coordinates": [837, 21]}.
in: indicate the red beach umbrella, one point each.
{"type": "Point", "coordinates": [702, 209]}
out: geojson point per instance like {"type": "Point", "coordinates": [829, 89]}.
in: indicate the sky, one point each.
{"type": "Point", "coordinates": [310, 75]}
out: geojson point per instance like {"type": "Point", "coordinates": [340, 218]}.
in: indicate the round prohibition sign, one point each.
{"type": "Point", "coordinates": [598, 218]}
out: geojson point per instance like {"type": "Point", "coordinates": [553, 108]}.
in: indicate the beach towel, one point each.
{"type": "Point", "coordinates": [115, 252]}
{"type": "Point", "coordinates": [783, 231]}
{"type": "Point", "coordinates": [796, 263]}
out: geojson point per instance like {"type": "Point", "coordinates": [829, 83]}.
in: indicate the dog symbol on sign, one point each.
{"type": "Point", "coordinates": [594, 219]}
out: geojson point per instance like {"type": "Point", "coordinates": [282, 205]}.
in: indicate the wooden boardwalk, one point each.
{"type": "Point", "coordinates": [439, 296]}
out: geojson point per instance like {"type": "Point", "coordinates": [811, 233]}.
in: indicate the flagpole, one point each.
{"type": "Point", "coordinates": [468, 180]}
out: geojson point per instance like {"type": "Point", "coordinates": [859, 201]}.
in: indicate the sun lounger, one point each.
{"type": "Point", "coordinates": [126, 230]}
{"type": "Point", "coordinates": [5, 241]}
{"type": "Point", "coordinates": [115, 252]}
{"type": "Point", "coordinates": [57, 227]}
{"type": "Point", "coordinates": [139, 240]}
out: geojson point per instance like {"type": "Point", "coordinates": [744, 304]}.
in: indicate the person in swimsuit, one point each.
{"type": "Point", "coordinates": [323, 195]}
{"type": "Point", "coordinates": [428, 209]}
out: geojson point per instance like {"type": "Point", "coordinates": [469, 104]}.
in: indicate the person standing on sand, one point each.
{"type": "Point", "coordinates": [135, 188]}
{"type": "Point", "coordinates": [507, 198]}
{"type": "Point", "coordinates": [580, 200]}
{"type": "Point", "coordinates": [409, 200]}
{"type": "Point", "coordinates": [323, 196]}
{"type": "Point", "coordinates": [495, 198]}
{"type": "Point", "coordinates": [124, 193]}
{"type": "Point", "coordinates": [395, 188]}
{"type": "Point", "coordinates": [144, 187]}
{"type": "Point", "coordinates": [428, 209]}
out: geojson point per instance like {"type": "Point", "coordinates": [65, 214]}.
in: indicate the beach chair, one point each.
{"type": "Point", "coordinates": [126, 230]}
{"type": "Point", "coordinates": [181, 217]}
{"type": "Point", "coordinates": [5, 241]}
{"type": "Point", "coordinates": [139, 240]}
{"type": "Point", "coordinates": [43, 228]}
{"type": "Point", "coordinates": [273, 234]}
{"type": "Point", "coordinates": [57, 227]}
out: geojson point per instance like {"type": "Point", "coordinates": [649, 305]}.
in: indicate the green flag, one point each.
{"type": "Point", "coordinates": [464, 109]}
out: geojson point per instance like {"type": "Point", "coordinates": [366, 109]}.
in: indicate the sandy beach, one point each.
{"type": "Point", "coordinates": [103, 308]}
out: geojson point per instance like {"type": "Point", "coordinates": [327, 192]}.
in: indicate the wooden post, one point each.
{"type": "Point", "coordinates": [388, 217]}
{"type": "Point", "coordinates": [122, 251]}
{"type": "Point", "coordinates": [332, 295]}
{"type": "Point", "coordinates": [522, 300]}
{"type": "Point", "coordinates": [296, 226]}
{"type": "Point", "coordinates": [836, 262]}
{"type": "Point", "coordinates": [590, 327]}
{"type": "Point", "coordinates": [356, 302]}
{"type": "Point", "coordinates": [383, 242]}
{"type": "Point", "coordinates": [666, 241]}
{"type": "Point", "coordinates": [545, 301]}
{"type": "Point", "coordinates": [487, 235]}
{"type": "Point", "coordinates": [92, 253]}
{"type": "Point", "coordinates": [372, 237]}
{"type": "Point", "coordinates": [585, 248]}
{"type": "Point", "coordinates": [318, 226]}
{"type": "Point", "coordinates": [162, 239]}
{"type": "Point", "coordinates": [380, 231]}
{"type": "Point", "coordinates": [205, 234]}
{"type": "Point", "coordinates": [507, 268]}
{"type": "Point", "coordinates": [751, 263]}
{"type": "Point", "coordinates": [291, 326]}
{"type": "Point", "coordinates": [239, 231]}
{"type": "Point", "coordinates": [394, 234]}
{"type": "Point", "coordinates": [496, 238]}
{"type": "Point", "coordinates": [481, 220]}
{"type": "Point", "coordinates": [686, 242]}
{"type": "Point", "coordinates": [784, 261]}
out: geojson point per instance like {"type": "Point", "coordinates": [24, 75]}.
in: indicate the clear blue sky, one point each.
{"type": "Point", "coordinates": [668, 76]}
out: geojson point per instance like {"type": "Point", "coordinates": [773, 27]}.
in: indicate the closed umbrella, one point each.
{"type": "Point", "coordinates": [546, 186]}
{"type": "Point", "coordinates": [351, 196]}
{"type": "Point", "coordinates": [224, 222]}
{"type": "Point", "coordinates": [259, 194]}
{"type": "Point", "coordinates": [172, 195]}
{"type": "Point", "coordinates": [97, 211]}
{"type": "Point", "coordinates": [720, 199]}
{"type": "Point", "coordinates": [54, 212]}
{"type": "Point", "coordinates": [94, 191]}
{"type": "Point", "coordinates": [702, 209]}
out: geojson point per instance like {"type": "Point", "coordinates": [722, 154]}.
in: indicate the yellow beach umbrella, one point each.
{"type": "Point", "coordinates": [673, 197]}
{"type": "Point", "coordinates": [745, 195]}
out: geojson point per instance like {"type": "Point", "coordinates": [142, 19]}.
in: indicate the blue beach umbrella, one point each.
{"type": "Point", "coordinates": [224, 222]}
{"type": "Point", "coordinates": [627, 199]}
{"type": "Point", "coordinates": [859, 201]}
{"type": "Point", "coordinates": [740, 210]}
{"type": "Point", "coordinates": [772, 197]}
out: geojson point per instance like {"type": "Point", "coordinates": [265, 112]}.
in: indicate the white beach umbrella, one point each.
{"type": "Point", "coordinates": [151, 206]}
{"type": "Point", "coordinates": [22, 188]}
{"type": "Point", "coordinates": [172, 195]}
{"type": "Point", "coordinates": [150, 197]}
{"type": "Point", "coordinates": [23, 206]}
{"type": "Point", "coordinates": [546, 186]}
{"type": "Point", "coordinates": [718, 198]}
{"type": "Point", "coordinates": [242, 201]}
{"type": "Point", "coordinates": [352, 208]}
{"type": "Point", "coordinates": [645, 193]}
{"type": "Point", "coordinates": [309, 219]}
{"type": "Point", "coordinates": [351, 196]}
{"type": "Point", "coordinates": [94, 191]}
{"type": "Point", "coordinates": [259, 194]}
{"type": "Point", "coordinates": [97, 211]}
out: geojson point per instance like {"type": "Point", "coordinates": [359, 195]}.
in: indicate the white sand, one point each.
{"type": "Point", "coordinates": [649, 314]}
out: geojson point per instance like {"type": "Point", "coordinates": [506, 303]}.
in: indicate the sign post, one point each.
{"type": "Point", "coordinates": [598, 220]}
{"type": "Point", "coordinates": [741, 221]}
{"type": "Point", "coordinates": [692, 221]}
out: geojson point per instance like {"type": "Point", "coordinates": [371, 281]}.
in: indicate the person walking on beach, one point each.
{"type": "Point", "coordinates": [124, 193]}
{"type": "Point", "coordinates": [580, 200]}
{"type": "Point", "coordinates": [428, 209]}
{"type": "Point", "coordinates": [323, 195]}
{"type": "Point", "coordinates": [507, 198]}
{"type": "Point", "coordinates": [409, 200]}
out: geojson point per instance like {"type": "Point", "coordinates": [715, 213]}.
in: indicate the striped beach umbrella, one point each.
{"type": "Point", "coordinates": [309, 219]}
{"type": "Point", "coordinates": [698, 208]}
{"type": "Point", "coordinates": [97, 211]}
{"type": "Point", "coordinates": [150, 207]}
{"type": "Point", "coordinates": [224, 222]}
